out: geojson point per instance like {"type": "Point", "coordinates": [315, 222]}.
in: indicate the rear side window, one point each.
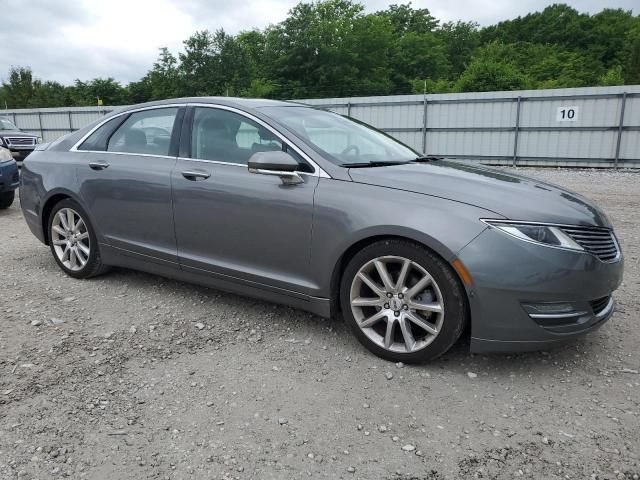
{"type": "Point", "coordinates": [97, 141]}
{"type": "Point", "coordinates": [147, 132]}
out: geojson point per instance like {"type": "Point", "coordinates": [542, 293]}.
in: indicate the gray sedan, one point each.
{"type": "Point", "coordinates": [304, 207]}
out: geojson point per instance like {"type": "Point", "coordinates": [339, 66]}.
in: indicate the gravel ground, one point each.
{"type": "Point", "coordinates": [131, 376]}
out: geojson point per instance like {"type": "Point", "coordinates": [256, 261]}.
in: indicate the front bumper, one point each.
{"type": "Point", "coordinates": [9, 176]}
{"type": "Point", "coordinates": [517, 286]}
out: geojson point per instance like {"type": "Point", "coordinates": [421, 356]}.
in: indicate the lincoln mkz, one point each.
{"type": "Point", "coordinates": [308, 208]}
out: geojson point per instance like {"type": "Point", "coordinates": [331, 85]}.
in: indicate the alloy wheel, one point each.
{"type": "Point", "coordinates": [70, 239]}
{"type": "Point", "coordinates": [397, 304]}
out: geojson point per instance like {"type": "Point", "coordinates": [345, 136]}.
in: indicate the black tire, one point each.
{"type": "Point", "coordinates": [453, 295]}
{"type": "Point", "coordinates": [94, 265]}
{"type": "Point", "coordinates": [6, 199]}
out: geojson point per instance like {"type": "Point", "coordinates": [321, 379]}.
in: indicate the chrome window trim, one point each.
{"type": "Point", "coordinates": [230, 164]}
{"type": "Point", "coordinates": [318, 171]}
{"type": "Point", "coordinates": [128, 153]}
{"type": "Point", "coordinates": [119, 114]}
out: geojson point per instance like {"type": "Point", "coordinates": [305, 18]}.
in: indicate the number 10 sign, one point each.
{"type": "Point", "coordinates": [567, 114]}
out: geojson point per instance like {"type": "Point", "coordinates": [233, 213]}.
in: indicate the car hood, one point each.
{"type": "Point", "coordinates": [512, 196]}
{"type": "Point", "coordinates": [15, 133]}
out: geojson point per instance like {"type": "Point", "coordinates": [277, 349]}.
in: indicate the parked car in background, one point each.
{"type": "Point", "coordinates": [19, 143]}
{"type": "Point", "coordinates": [305, 207]}
{"type": "Point", "coordinates": [9, 178]}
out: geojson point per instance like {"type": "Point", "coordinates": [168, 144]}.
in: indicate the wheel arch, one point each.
{"type": "Point", "coordinates": [435, 247]}
{"type": "Point", "coordinates": [53, 198]}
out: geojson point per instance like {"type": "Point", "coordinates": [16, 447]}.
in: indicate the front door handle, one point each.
{"type": "Point", "coordinates": [195, 175]}
{"type": "Point", "coordinates": [99, 165]}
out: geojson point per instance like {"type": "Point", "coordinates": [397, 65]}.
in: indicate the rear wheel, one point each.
{"type": "Point", "coordinates": [6, 199]}
{"type": "Point", "coordinates": [73, 241]}
{"type": "Point", "coordinates": [402, 302]}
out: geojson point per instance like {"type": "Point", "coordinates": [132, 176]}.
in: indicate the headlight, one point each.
{"type": "Point", "coordinates": [1, 141]}
{"type": "Point", "coordinates": [549, 235]}
{"type": "Point", "coordinates": [38, 140]}
{"type": "Point", "coordinates": [5, 155]}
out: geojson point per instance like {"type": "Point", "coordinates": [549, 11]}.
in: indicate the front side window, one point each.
{"type": "Point", "coordinates": [225, 136]}
{"type": "Point", "coordinates": [341, 140]}
{"type": "Point", "coordinates": [146, 132]}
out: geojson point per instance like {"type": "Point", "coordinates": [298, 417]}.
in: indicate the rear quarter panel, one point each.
{"type": "Point", "coordinates": [46, 173]}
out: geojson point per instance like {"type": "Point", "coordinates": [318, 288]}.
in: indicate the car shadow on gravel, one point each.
{"type": "Point", "coordinates": [537, 363]}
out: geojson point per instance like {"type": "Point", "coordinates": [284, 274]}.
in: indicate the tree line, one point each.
{"type": "Point", "coordinates": [333, 48]}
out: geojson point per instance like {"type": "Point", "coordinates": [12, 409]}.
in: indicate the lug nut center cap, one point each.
{"type": "Point", "coordinates": [396, 304]}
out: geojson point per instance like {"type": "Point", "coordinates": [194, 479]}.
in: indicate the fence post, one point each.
{"type": "Point", "coordinates": [40, 125]}
{"type": "Point", "coordinates": [70, 121]}
{"type": "Point", "coordinates": [516, 131]}
{"type": "Point", "coordinates": [15, 119]}
{"type": "Point", "coordinates": [348, 108]}
{"type": "Point", "coordinates": [620, 128]}
{"type": "Point", "coordinates": [424, 126]}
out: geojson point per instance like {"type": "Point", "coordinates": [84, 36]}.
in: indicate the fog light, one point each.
{"type": "Point", "coordinates": [548, 308]}
{"type": "Point", "coordinates": [555, 314]}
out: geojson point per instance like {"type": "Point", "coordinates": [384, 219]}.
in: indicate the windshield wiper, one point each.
{"type": "Point", "coordinates": [371, 164]}
{"type": "Point", "coordinates": [426, 159]}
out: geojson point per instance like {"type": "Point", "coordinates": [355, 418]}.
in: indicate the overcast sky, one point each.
{"type": "Point", "coordinates": [67, 39]}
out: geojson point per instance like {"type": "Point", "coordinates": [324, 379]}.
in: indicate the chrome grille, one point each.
{"type": "Point", "coordinates": [600, 242]}
{"type": "Point", "coordinates": [21, 141]}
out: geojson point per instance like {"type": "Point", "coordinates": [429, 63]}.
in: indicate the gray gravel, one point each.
{"type": "Point", "coordinates": [131, 376]}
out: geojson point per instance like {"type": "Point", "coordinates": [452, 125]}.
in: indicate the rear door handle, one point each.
{"type": "Point", "coordinates": [99, 165]}
{"type": "Point", "coordinates": [195, 175]}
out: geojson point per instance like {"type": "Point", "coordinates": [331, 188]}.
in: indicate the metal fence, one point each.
{"type": "Point", "coordinates": [51, 123]}
{"type": "Point", "coordinates": [586, 127]}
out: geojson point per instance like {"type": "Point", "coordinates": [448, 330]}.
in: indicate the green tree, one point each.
{"type": "Point", "coordinates": [492, 68]}
{"type": "Point", "coordinates": [613, 76]}
{"type": "Point", "coordinates": [632, 64]}
{"type": "Point", "coordinates": [328, 48]}
{"type": "Point", "coordinates": [19, 88]}
{"type": "Point", "coordinates": [557, 24]}
{"type": "Point", "coordinates": [460, 40]}
{"type": "Point", "coordinates": [198, 76]}
{"type": "Point", "coordinates": [163, 81]}
{"type": "Point", "coordinates": [406, 19]}
{"type": "Point", "coordinates": [259, 88]}
{"type": "Point", "coordinates": [309, 44]}
{"type": "Point", "coordinates": [105, 89]}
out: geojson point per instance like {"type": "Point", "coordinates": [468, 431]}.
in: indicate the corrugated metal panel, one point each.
{"type": "Point", "coordinates": [632, 112]}
{"type": "Point", "coordinates": [479, 126]}
{"type": "Point", "coordinates": [470, 143]}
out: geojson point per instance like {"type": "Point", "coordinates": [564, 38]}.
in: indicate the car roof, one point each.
{"type": "Point", "coordinates": [241, 103]}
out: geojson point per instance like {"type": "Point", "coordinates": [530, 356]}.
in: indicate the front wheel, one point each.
{"type": "Point", "coordinates": [73, 241]}
{"type": "Point", "coordinates": [403, 302]}
{"type": "Point", "coordinates": [6, 199]}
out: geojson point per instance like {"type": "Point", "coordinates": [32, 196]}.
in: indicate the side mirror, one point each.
{"type": "Point", "coordinates": [277, 163]}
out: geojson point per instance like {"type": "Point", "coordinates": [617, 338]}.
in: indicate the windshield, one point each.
{"type": "Point", "coordinates": [7, 125]}
{"type": "Point", "coordinates": [341, 140]}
